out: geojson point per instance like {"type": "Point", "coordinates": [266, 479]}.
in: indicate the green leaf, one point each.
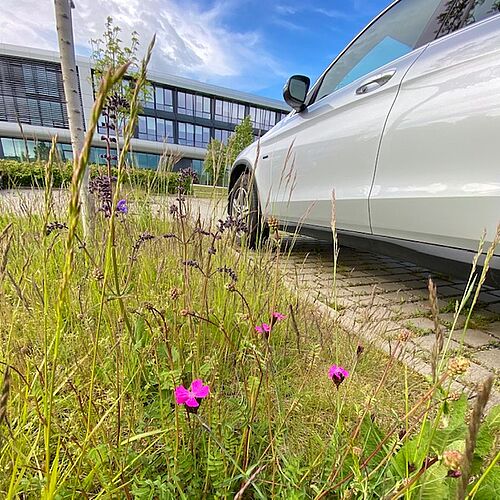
{"type": "Point", "coordinates": [490, 486]}
{"type": "Point", "coordinates": [435, 484]}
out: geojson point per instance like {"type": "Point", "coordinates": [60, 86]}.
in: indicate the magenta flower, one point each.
{"type": "Point", "coordinates": [264, 328]}
{"type": "Point", "coordinates": [121, 206]}
{"type": "Point", "coordinates": [278, 316]}
{"type": "Point", "coordinates": [337, 374]}
{"type": "Point", "coordinates": [193, 396]}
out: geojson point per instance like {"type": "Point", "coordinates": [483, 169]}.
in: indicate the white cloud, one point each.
{"type": "Point", "coordinates": [190, 40]}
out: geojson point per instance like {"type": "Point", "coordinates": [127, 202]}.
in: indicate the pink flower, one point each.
{"type": "Point", "coordinates": [278, 316]}
{"type": "Point", "coordinates": [337, 374]}
{"type": "Point", "coordinates": [191, 397]}
{"type": "Point", "coordinates": [264, 328]}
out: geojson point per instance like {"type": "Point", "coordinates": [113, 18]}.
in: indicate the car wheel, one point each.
{"type": "Point", "coordinates": [244, 204]}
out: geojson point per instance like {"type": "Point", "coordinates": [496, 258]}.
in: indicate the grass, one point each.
{"type": "Point", "coordinates": [98, 334]}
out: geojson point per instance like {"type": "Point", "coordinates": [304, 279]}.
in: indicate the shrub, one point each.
{"type": "Point", "coordinates": [18, 174]}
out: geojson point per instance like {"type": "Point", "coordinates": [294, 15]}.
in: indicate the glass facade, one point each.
{"type": "Point", "coordinates": [31, 92]}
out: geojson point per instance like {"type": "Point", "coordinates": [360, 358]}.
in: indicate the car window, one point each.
{"type": "Point", "coordinates": [396, 33]}
{"type": "Point", "coordinates": [460, 13]}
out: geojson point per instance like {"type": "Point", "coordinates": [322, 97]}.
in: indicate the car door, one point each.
{"type": "Point", "coordinates": [333, 143]}
{"type": "Point", "coordinates": [438, 175]}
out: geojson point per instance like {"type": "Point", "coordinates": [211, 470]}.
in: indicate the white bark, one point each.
{"type": "Point", "coordinates": [64, 26]}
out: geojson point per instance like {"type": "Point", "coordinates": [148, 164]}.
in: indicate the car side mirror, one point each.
{"type": "Point", "coordinates": [295, 91]}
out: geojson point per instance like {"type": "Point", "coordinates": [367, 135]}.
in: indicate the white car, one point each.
{"type": "Point", "coordinates": [404, 126]}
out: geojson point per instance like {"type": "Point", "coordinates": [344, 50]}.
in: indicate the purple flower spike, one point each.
{"type": "Point", "coordinates": [337, 374]}
{"type": "Point", "coordinates": [122, 207]}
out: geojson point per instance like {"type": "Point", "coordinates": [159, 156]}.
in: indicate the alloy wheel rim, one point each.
{"type": "Point", "coordinates": [241, 206]}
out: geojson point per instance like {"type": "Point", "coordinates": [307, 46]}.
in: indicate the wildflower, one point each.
{"type": "Point", "coordinates": [273, 223]}
{"type": "Point", "coordinates": [337, 374]}
{"type": "Point", "coordinates": [458, 365]}
{"type": "Point", "coordinates": [230, 272]}
{"type": "Point", "coordinates": [97, 274]}
{"type": "Point", "coordinates": [121, 206]}
{"type": "Point", "coordinates": [175, 293]}
{"type": "Point", "coordinates": [278, 316]}
{"type": "Point", "coordinates": [212, 251]}
{"type": "Point", "coordinates": [139, 242]}
{"type": "Point", "coordinates": [192, 397]}
{"type": "Point", "coordinates": [452, 459]}
{"type": "Point", "coordinates": [230, 287]}
{"type": "Point", "coordinates": [54, 226]}
{"type": "Point", "coordinates": [265, 329]}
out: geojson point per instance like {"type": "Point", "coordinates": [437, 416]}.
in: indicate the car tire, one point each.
{"type": "Point", "coordinates": [244, 203]}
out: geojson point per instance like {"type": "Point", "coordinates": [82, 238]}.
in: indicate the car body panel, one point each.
{"type": "Point", "coordinates": [332, 145]}
{"type": "Point", "coordinates": [438, 173]}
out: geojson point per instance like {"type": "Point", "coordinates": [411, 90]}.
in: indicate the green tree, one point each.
{"type": "Point", "coordinates": [41, 151]}
{"type": "Point", "coordinates": [220, 157]}
{"type": "Point", "coordinates": [110, 53]}
{"type": "Point", "coordinates": [215, 163]}
{"type": "Point", "coordinates": [240, 139]}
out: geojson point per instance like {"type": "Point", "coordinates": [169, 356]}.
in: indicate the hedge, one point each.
{"type": "Point", "coordinates": [19, 174]}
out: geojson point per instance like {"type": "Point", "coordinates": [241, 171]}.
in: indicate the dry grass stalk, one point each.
{"type": "Point", "coordinates": [482, 399]}
{"type": "Point", "coordinates": [4, 396]}
{"type": "Point", "coordinates": [437, 348]}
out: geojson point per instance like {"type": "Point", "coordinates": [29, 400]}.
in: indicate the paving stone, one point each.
{"type": "Point", "coordinates": [427, 342]}
{"type": "Point", "coordinates": [449, 318]}
{"type": "Point", "coordinates": [488, 298]}
{"type": "Point", "coordinates": [495, 308]}
{"type": "Point", "coordinates": [476, 374]}
{"type": "Point", "coordinates": [409, 309]}
{"type": "Point", "coordinates": [493, 329]}
{"type": "Point", "coordinates": [474, 338]}
{"type": "Point", "coordinates": [449, 291]}
{"type": "Point", "coordinates": [489, 358]}
{"type": "Point", "coordinates": [424, 324]}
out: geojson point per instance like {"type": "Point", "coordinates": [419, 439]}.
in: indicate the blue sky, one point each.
{"type": "Point", "coordinates": [248, 45]}
{"type": "Point", "coordinates": [303, 36]}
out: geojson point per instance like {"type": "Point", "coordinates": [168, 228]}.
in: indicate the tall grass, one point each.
{"type": "Point", "coordinates": [97, 335]}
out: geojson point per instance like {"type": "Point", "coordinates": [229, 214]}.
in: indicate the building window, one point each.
{"type": "Point", "coordinates": [193, 135]}
{"type": "Point", "coordinates": [156, 129]}
{"type": "Point", "coordinates": [148, 97]}
{"type": "Point", "coordinates": [156, 97]}
{"type": "Point", "coordinates": [164, 99]}
{"type": "Point", "coordinates": [229, 112]}
{"type": "Point", "coordinates": [32, 92]}
{"type": "Point", "coordinates": [185, 103]}
{"type": "Point", "coordinates": [262, 118]}
{"type": "Point", "coordinates": [203, 107]}
{"type": "Point", "coordinates": [222, 135]}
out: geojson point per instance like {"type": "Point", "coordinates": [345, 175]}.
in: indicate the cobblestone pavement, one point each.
{"type": "Point", "coordinates": [380, 298]}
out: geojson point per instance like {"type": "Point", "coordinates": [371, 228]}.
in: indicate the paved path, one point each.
{"type": "Point", "coordinates": [381, 298]}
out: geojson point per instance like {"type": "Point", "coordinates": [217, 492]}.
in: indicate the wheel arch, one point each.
{"type": "Point", "coordinates": [241, 167]}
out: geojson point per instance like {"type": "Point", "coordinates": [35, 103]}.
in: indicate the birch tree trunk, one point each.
{"type": "Point", "coordinates": [64, 26]}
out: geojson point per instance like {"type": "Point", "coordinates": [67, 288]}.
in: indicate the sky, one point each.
{"type": "Point", "coordinates": [247, 45]}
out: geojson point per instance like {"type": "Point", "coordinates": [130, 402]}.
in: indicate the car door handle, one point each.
{"type": "Point", "coordinates": [375, 82]}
